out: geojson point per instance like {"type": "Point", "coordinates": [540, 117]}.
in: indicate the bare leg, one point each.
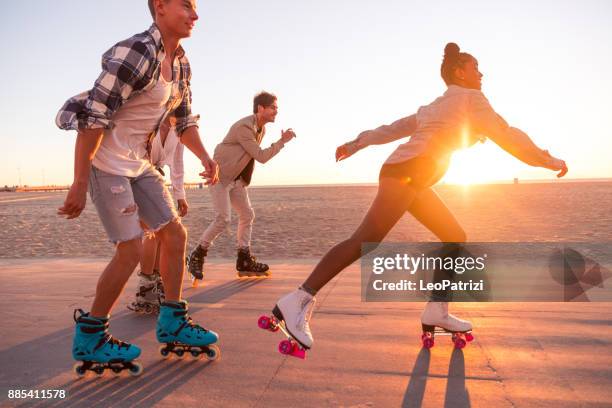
{"type": "Point", "coordinates": [115, 276]}
{"type": "Point", "coordinates": [149, 258]}
{"type": "Point", "coordinates": [429, 209]}
{"type": "Point", "coordinates": [394, 197]}
{"type": "Point", "coordinates": [157, 254]}
{"type": "Point", "coordinates": [173, 239]}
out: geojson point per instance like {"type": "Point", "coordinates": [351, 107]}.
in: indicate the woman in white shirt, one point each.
{"type": "Point", "coordinates": [457, 119]}
{"type": "Point", "coordinates": [166, 150]}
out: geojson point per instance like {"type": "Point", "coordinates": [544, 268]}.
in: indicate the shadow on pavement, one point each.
{"type": "Point", "coordinates": [413, 398]}
{"type": "Point", "coordinates": [158, 381]}
{"type": "Point", "coordinates": [457, 395]}
{"type": "Point", "coordinates": [31, 363]}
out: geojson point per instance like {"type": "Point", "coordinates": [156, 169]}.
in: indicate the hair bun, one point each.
{"type": "Point", "coordinates": [451, 49]}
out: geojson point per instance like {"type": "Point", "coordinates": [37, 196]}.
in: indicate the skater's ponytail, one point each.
{"type": "Point", "coordinates": [453, 59]}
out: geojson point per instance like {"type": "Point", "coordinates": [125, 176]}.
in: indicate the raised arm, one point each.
{"type": "Point", "coordinates": [485, 121]}
{"type": "Point", "coordinates": [381, 135]}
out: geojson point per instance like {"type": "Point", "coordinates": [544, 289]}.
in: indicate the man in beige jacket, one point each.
{"type": "Point", "coordinates": [236, 156]}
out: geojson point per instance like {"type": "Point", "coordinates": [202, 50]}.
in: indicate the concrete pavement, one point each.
{"type": "Point", "coordinates": [365, 354]}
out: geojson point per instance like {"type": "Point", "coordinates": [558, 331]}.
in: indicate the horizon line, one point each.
{"type": "Point", "coordinates": [59, 187]}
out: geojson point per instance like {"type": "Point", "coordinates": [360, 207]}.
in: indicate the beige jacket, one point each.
{"type": "Point", "coordinates": [240, 146]}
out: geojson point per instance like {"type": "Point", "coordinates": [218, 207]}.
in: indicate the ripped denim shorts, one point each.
{"type": "Point", "coordinates": [122, 202]}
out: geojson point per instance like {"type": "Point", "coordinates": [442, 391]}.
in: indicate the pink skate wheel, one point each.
{"type": "Point", "coordinates": [469, 336]}
{"type": "Point", "coordinates": [264, 322]}
{"type": "Point", "coordinates": [460, 343]}
{"type": "Point", "coordinates": [285, 347]}
{"type": "Point", "coordinates": [428, 342]}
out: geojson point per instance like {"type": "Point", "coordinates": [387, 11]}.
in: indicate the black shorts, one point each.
{"type": "Point", "coordinates": [419, 172]}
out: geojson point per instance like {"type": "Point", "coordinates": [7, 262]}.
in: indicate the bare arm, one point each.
{"type": "Point", "coordinates": [191, 138]}
{"type": "Point", "coordinates": [87, 144]}
{"type": "Point", "coordinates": [381, 135]}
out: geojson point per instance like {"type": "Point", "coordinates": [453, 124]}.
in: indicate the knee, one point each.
{"type": "Point", "coordinates": [174, 233]}
{"type": "Point", "coordinates": [222, 221]}
{"type": "Point", "coordinates": [248, 216]}
{"type": "Point", "coordinates": [130, 252]}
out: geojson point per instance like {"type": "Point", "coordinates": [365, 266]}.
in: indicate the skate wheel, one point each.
{"type": "Point", "coordinates": [469, 336]}
{"type": "Point", "coordinates": [136, 369]}
{"type": "Point", "coordinates": [79, 370]}
{"type": "Point", "coordinates": [213, 353]}
{"type": "Point", "coordinates": [460, 343]}
{"type": "Point", "coordinates": [285, 347]}
{"type": "Point", "coordinates": [426, 335]}
{"type": "Point", "coordinates": [116, 370]}
{"type": "Point", "coordinates": [428, 342]}
{"type": "Point", "coordinates": [163, 350]}
{"type": "Point", "coordinates": [264, 322]}
{"type": "Point", "coordinates": [99, 371]}
{"type": "Point", "coordinates": [196, 354]}
{"type": "Point", "coordinates": [179, 353]}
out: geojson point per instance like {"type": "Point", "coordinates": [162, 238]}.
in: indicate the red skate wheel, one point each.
{"type": "Point", "coordinates": [460, 343]}
{"type": "Point", "coordinates": [469, 336]}
{"type": "Point", "coordinates": [428, 342]}
{"type": "Point", "coordinates": [264, 322]}
{"type": "Point", "coordinates": [285, 347]}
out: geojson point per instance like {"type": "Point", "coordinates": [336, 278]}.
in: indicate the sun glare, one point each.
{"type": "Point", "coordinates": [482, 163]}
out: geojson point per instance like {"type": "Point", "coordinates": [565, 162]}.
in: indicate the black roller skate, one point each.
{"type": "Point", "coordinates": [98, 351]}
{"type": "Point", "coordinates": [150, 294]}
{"type": "Point", "coordinates": [195, 264]}
{"type": "Point", "coordinates": [247, 265]}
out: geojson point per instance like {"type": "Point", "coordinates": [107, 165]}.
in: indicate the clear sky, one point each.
{"type": "Point", "coordinates": [337, 66]}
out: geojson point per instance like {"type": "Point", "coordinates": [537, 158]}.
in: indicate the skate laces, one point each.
{"type": "Point", "coordinates": [108, 338]}
{"type": "Point", "coordinates": [188, 322]}
{"type": "Point", "coordinates": [257, 265]}
{"type": "Point", "coordinates": [306, 308]}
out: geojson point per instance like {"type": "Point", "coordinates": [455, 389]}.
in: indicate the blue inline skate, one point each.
{"type": "Point", "coordinates": [180, 335]}
{"type": "Point", "coordinates": [98, 351]}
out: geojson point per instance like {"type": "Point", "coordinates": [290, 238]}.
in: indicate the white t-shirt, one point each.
{"type": "Point", "coordinates": [170, 154]}
{"type": "Point", "coordinates": [123, 150]}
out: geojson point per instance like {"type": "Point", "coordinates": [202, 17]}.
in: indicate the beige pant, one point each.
{"type": "Point", "coordinates": [225, 197]}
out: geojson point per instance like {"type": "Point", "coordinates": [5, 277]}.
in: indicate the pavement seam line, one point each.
{"type": "Point", "coordinates": [320, 304]}
{"type": "Point", "coordinates": [492, 368]}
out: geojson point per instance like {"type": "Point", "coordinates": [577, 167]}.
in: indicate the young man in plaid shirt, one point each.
{"type": "Point", "coordinates": [144, 79]}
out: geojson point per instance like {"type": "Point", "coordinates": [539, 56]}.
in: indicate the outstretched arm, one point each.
{"type": "Point", "coordinates": [381, 135]}
{"type": "Point", "coordinates": [516, 142]}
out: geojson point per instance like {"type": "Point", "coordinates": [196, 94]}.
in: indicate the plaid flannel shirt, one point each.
{"type": "Point", "coordinates": [130, 67]}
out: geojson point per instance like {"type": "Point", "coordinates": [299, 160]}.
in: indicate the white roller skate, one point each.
{"type": "Point", "coordinates": [435, 319]}
{"type": "Point", "coordinates": [292, 316]}
{"type": "Point", "coordinates": [150, 294]}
